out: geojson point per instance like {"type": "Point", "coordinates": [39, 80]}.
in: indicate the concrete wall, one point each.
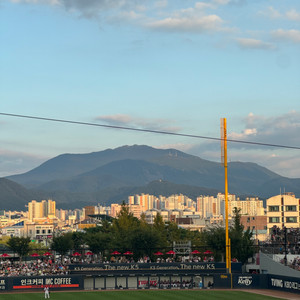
{"type": "Point", "coordinates": [270, 266]}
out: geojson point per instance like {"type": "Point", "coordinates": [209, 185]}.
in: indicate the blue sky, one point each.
{"type": "Point", "coordinates": [177, 66]}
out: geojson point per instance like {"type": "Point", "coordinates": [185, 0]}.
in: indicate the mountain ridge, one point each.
{"type": "Point", "coordinates": [87, 177]}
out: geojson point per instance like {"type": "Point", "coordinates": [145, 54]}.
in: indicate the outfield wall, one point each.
{"type": "Point", "coordinates": [284, 283]}
{"type": "Point", "coordinates": [39, 282]}
{"type": "Point", "coordinates": [152, 280]}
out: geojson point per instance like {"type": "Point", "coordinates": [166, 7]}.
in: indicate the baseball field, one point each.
{"type": "Point", "coordinates": [141, 295]}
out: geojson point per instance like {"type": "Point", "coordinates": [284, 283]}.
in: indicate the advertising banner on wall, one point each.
{"type": "Point", "coordinates": [249, 281]}
{"type": "Point", "coordinates": [2, 284]}
{"type": "Point", "coordinates": [211, 267]}
{"type": "Point", "coordinates": [283, 283]}
{"type": "Point", "coordinates": [55, 282]}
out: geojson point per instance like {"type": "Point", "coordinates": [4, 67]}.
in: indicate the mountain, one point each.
{"type": "Point", "coordinates": [113, 174]}
{"type": "Point", "coordinates": [68, 165]}
{"type": "Point", "coordinates": [68, 200]}
{"type": "Point", "coordinates": [120, 174]}
{"type": "Point", "coordinates": [13, 196]}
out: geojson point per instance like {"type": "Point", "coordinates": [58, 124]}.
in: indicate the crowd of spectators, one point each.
{"type": "Point", "coordinates": [285, 239]}
{"type": "Point", "coordinates": [185, 259]}
{"type": "Point", "coordinates": [39, 267]}
{"type": "Point", "coordinates": [165, 284]}
{"type": "Point", "coordinates": [296, 263]}
{"type": "Point", "coordinates": [59, 266]}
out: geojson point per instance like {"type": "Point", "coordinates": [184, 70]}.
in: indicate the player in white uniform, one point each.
{"type": "Point", "coordinates": [47, 295]}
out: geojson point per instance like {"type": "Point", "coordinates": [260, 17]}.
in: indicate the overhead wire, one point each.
{"type": "Point", "coordinates": [147, 130]}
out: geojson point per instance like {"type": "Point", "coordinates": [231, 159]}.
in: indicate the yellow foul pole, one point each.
{"type": "Point", "coordinates": [224, 161]}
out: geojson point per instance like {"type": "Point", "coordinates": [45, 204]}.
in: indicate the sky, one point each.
{"type": "Point", "coordinates": [167, 65]}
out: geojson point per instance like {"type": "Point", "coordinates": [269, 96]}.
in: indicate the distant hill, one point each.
{"type": "Point", "coordinates": [113, 174]}
{"type": "Point", "coordinates": [13, 196]}
{"type": "Point", "coordinates": [69, 165]}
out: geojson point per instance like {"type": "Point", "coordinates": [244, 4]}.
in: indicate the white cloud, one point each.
{"type": "Point", "coordinates": [191, 19]}
{"type": "Point", "coordinates": [270, 12]}
{"type": "Point", "coordinates": [203, 5]}
{"type": "Point", "coordinates": [245, 133]}
{"type": "Point", "coordinates": [232, 2]}
{"type": "Point", "coordinates": [200, 24]}
{"type": "Point", "coordinates": [141, 123]}
{"type": "Point", "coordinates": [293, 15]}
{"type": "Point", "coordinates": [278, 130]}
{"type": "Point", "coordinates": [116, 119]}
{"type": "Point", "coordinates": [273, 13]}
{"type": "Point", "coordinates": [250, 131]}
{"type": "Point", "coordinates": [93, 8]}
{"type": "Point", "coordinates": [281, 129]}
{"type": "Point", "coordinates": [196, 18]}
{"type": "Point", "coordinates": [291, 35]}
{"type": "Point", "coordinates": [249, 43]}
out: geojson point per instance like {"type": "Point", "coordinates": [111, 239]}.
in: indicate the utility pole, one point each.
{"type": "Point", "coordinates": [224, 162]}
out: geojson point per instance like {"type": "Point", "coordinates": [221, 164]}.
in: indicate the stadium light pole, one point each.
{"type": "Point", "coordinates": [224, 162]}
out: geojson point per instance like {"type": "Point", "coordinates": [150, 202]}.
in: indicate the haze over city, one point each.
{"type": "Point", "coordinates": [176, 66]}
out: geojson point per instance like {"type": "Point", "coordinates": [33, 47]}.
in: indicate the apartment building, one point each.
{"type": "Point", "coordinates": [43, 209]}
{"type": "Point", "coordinates": [283, 211]}
{"type": "Point", "coordinates": [249, 206]}
{"type": "Point", "coordinates": [115, 210]}
{"type": "Point", "coordinates": [136, 210]}
{"type": "Point", "coordinates": [88, 211]}
{"type": "Point", "coordinates": [208, 206]}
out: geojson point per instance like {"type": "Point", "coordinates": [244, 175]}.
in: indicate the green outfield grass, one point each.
{"type": "Point", "coordinates": [140, 295]}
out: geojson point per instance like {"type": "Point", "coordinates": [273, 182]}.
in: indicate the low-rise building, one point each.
{"type": "Point", "coordinates": [256, 224]}
{"type": "Point", "coordinates": [16, 230]}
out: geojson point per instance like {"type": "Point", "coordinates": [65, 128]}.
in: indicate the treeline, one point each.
{"type": "Point", "coordinates": [127, 233]}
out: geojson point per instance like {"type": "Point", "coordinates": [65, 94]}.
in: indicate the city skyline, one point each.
{"type": "Point", "coordinates": [175, 66]}
{"type": "Point", "coordinates": [43, 217]}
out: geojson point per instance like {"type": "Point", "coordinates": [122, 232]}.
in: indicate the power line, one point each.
{"type": "Point", "coordinates": [148, 130]}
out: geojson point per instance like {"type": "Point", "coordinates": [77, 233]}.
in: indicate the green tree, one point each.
{"type": "Point", "coordinates": [19, 245]}
{"type": "Point", "coordinates": [122, 229]}
{"type": "Point", "coordinates": [37, 248]}
{"type": "Point", "coordinates": [98, 241]}
{"type": "Point", "coordinates": [78, 238]}
{"type": "Point", "coordinates": [242, 244]}
{"type": "Point", "coordinates": [241, 241]}
{"type": "Point", "coordinates": [4, 240]}
{"type": "Point", "coordinates": [106, 226]}
{"type": "Point", "coordinates": [144, 240]}
{"type": "Point", "coordinates": [62, 243]}
{"type": "Point", "coordinates": [159, 223]}
{"type": "Point", "coordinates": [214, 238]}
{"type": "Point", "coordinates": [175, 233]}
{"type": "Point", "coordinates": [160, 228]}
{"type": "Point", "coordinates": [196, 237]}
